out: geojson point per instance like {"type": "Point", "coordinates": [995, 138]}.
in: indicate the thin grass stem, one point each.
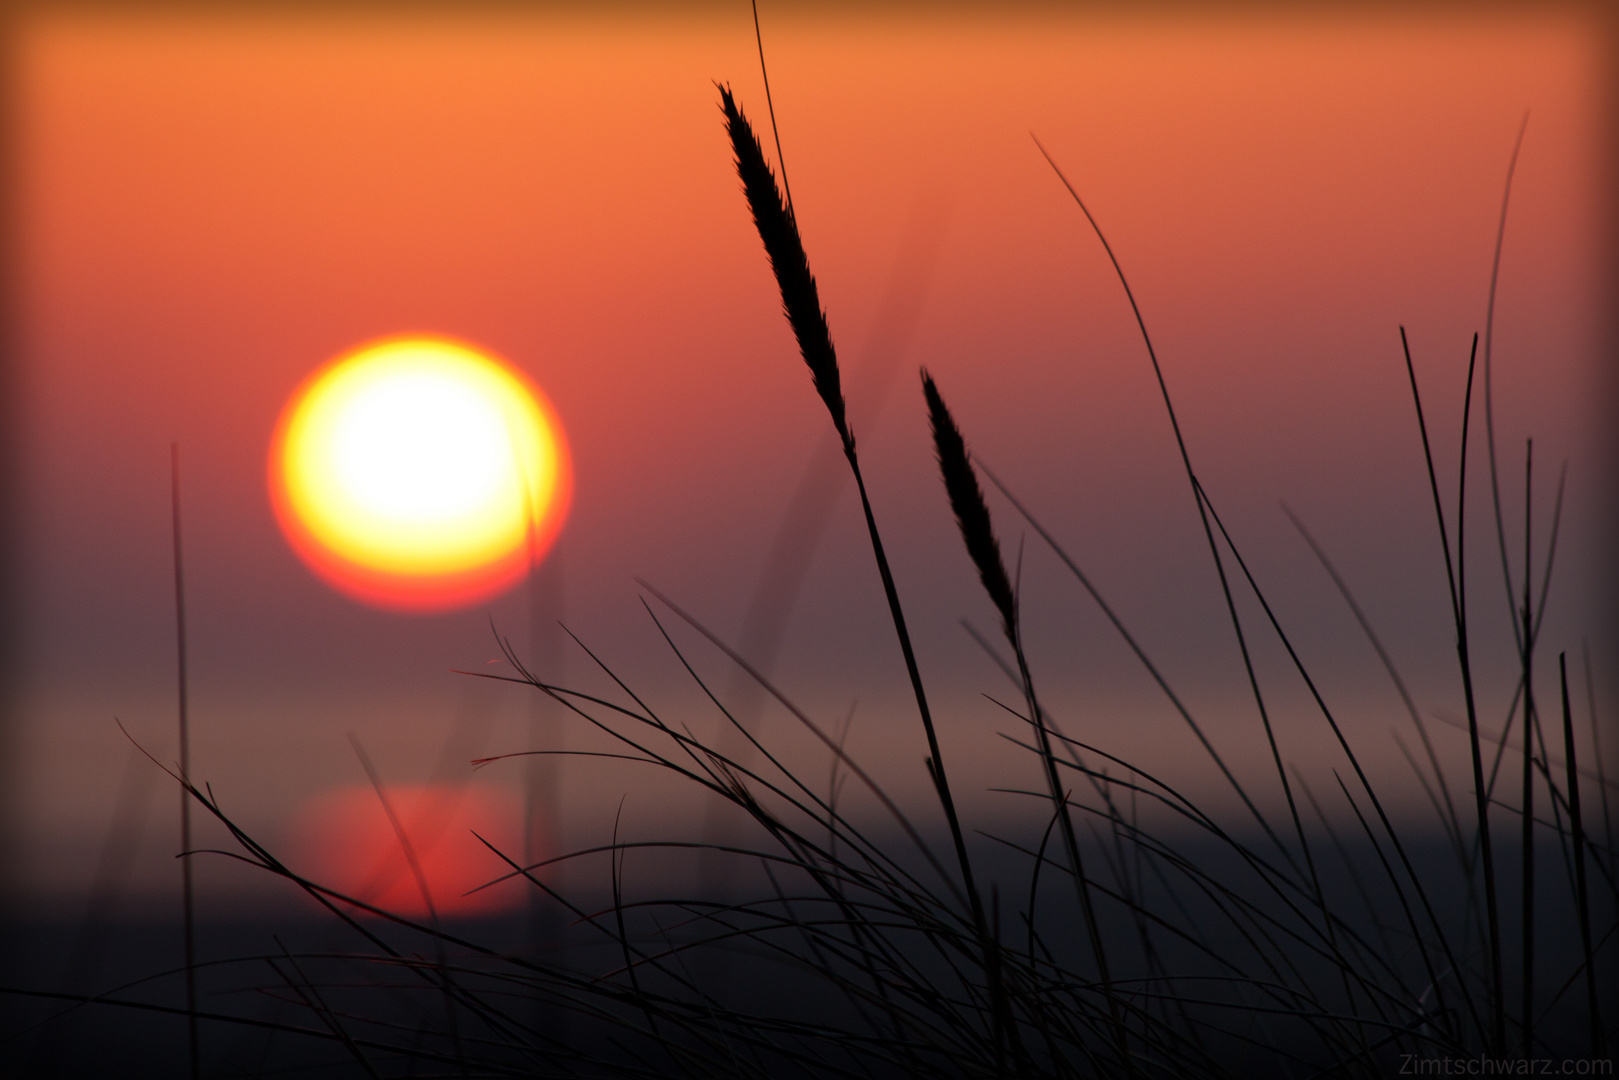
{"type": "Point", "coordinates": [187, 897]}
{"type": "Point", "coordinates": [1454, 575]}
{"type": "Point", "coordinates": [1582, 901]}
{"type": "Point", "coordinates": [1527, 844]}
{"type": "Point", "coordinates": [1489, 382]}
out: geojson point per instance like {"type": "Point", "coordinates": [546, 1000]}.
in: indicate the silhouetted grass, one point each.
{"type": "Point", "coordinates": [1182, 945]}
{"type": "Point", "coordinates": [778, 229]}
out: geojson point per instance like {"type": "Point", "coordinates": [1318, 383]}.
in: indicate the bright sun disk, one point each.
{"type": "Point", "coordinates": [419, 473]}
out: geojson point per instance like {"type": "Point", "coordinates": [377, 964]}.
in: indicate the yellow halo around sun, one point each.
{"type": "Point", "coordinates": [419, 473]}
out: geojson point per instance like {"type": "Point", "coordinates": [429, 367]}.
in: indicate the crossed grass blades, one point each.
{"type": "Point", "coordinates": [1208, 948]}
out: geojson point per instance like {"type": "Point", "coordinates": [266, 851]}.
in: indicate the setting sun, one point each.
{"type": "Point", "coordinates": [419, 473]}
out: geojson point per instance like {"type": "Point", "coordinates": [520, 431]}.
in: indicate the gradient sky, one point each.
{"type": "Point", "coordinates": [212, 207]}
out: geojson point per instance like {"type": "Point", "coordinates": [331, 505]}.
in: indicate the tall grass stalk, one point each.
{"type": "Point", "coordinates": [1582, 894]}
{"type": "Point", "coordinates": [972, 518]}
{"type": "Point", "coordinates": [187, 916]}
{"type": "Point", "coordinates": [1527, 844]}
{"type": "Point", "coordinates": [1489, 371]}
{"type": "Point", "coordinates": [1208, 533]}
{"type": "Point", "coordinates": [1225, 588]}
{"type": "Point", "coordinates": [777, 225]}
{"type": "Point", "coordinates": [1455, 576]}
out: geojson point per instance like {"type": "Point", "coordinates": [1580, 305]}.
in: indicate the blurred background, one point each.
{"type": "Point", "coordinates": [208, 205]}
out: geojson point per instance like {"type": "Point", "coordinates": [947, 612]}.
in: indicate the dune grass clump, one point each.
{"type": "Point", "coordinates": [1127, 931]}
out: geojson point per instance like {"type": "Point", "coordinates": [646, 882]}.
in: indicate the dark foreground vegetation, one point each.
{"type": "Point", "coordinates": [1125, 932]}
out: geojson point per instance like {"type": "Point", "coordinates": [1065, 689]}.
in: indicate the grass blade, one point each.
{"type": "Point", "coordinates": [972, 518]}
{"type": "Point", "coordinates": [778, 229]}
{"type": "Point", "coordinates": [187, 902]}
{"type": "Point", "coordinates": [1582, 901]}
{"type": "Point", "coordinates": [1458, 605]}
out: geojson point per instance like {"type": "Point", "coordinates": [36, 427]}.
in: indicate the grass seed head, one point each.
{"type": "Point", "coordinates": [967, 501]}
{"type": "Point", "coordinates": [779, 230]}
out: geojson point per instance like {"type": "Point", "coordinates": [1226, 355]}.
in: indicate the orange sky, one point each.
{"type": "Point", "coordinates": [211, 208]}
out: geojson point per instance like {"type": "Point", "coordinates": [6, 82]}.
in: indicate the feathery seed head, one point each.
{"type": "Point", "coordinates": [967, 500]}
{"type": "Point", "coordinates": [778, 228]}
